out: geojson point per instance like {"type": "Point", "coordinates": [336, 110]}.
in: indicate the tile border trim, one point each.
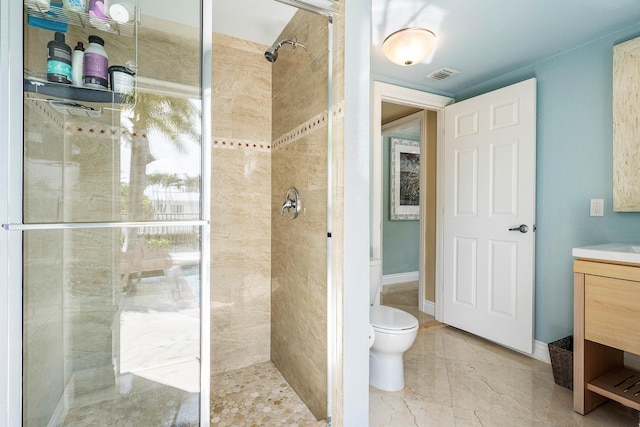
{"type": "Point", "coordinates": [240, 144]}
{"type": "Point", "coordinates": [311, 125]}
{"type": "Point", "coordinates": [299, 132]}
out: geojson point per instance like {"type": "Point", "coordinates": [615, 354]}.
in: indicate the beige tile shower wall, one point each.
{"type": "Point", "coordinates": [91, 297]}
{"type": "Point", "coordinates": [72, 175]}
{"type": "Point", "coordinates": [43, 327]}
{"type": "Point", "coordinates": [300, 75]}
{"type": "Point", "coordinates": [299, 247]}
{"type": "Point", "coordinates": [240, 205]}
{"type": "Point", "coordinates": [91, 257]}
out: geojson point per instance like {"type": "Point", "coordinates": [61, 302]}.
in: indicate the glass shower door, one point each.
{"type": "Point", "coordinates": [114, 223]}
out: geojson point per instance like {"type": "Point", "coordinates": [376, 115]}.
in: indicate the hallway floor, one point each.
{"type": "Point", "coordinates": [456, 379]}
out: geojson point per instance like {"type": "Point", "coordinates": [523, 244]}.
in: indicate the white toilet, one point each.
{"type": "Point", "coordinates": [394, 331]}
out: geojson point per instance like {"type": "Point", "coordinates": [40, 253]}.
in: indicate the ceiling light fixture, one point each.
{"type": "Point", "coordinates": [409, 46]}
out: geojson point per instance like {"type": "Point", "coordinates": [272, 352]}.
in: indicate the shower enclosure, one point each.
{"type": "Point", "coordinates": [106, 227]}
{"type": "Point", "coordinates": [271, 283]}
{"type": "Point", "coordinates": [142, 242]}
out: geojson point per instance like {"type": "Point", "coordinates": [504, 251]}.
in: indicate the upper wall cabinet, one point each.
{"type": "Point", "coordinates": [626, 126]}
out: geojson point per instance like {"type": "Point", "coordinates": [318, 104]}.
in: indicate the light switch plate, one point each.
{"type": "Point", "coordinates": [597, 207]}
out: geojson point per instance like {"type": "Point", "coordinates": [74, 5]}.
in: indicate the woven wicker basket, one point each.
{"type": "Point", "coordinates": [561, 353]}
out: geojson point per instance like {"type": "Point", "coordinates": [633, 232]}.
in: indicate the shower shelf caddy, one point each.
{"type": "Point", "coordinates": [57, 14]}
{"type": "Point", "coordinates": [75, 93]}
{"type": "Point", "coordinates": [64, 16]}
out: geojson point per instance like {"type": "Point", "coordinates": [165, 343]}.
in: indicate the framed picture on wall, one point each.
{"type": "Point", "coordinates": [404, 195]}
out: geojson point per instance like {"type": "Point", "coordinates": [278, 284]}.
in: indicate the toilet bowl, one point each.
{"type": "Point", "coordinates": [394, 333]}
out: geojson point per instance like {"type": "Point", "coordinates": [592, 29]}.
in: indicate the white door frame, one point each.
{"type": "Point", "coordinates": [385, 92]}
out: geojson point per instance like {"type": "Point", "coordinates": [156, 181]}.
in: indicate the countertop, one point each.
{"type": "Point", "coordinates": [617, 252]}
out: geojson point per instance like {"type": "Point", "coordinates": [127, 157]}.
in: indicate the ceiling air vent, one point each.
{"type": "Point", "coordinates": [442, 73]}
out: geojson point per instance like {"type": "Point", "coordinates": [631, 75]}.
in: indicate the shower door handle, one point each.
{"type": "Point", "coordinates": [292, 203]}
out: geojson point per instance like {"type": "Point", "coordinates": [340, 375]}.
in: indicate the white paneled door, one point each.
{"type": "Point", "coordinates": [489, 215]}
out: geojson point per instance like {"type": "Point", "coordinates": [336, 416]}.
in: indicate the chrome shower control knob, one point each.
{"type": "Point", "coordinates": [292, 203]}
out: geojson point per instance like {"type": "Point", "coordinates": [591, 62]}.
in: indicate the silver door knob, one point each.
{"type": "Point", "coordinates": [523, 228]}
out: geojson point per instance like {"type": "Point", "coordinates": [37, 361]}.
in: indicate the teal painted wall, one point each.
{"type": "Point", "coordinates": [400, 239]}
{"type": "Point", "coordinates": [574, 164]}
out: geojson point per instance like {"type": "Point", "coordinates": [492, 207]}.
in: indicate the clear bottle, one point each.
{"type": "Point", "coordinates": [77, 65]}
{"type": "Point", "coordinates": [96, 64]}
{"type": "Point", "coordinates": [79, 6]}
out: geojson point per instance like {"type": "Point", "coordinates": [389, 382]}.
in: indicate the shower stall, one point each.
{"type": "Point", "coordinates": [144, 240]}
{"type": "Point", "coordinates": [273, 112]}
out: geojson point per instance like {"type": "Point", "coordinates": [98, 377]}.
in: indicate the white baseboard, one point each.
{"type": "Point", "coordinates": [541, 352]}
{"type": "Point", "coordinates": [391, 279]}
{"type": "Point", "coordinates": [429, 307]}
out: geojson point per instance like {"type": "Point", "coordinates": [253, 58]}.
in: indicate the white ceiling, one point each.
{"type": "Point", "coordinates": [259, 21]}
{"type": "Point", "coordinates": [480, 38]}
{"type": "Point", "coordinates": [486, 38]}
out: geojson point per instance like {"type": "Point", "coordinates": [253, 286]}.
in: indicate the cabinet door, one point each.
{"type": "Point", "coordinates": [612, 312]}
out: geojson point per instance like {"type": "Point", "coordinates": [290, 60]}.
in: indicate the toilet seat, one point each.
{"type": "Point", "coordinates": [392, 320]}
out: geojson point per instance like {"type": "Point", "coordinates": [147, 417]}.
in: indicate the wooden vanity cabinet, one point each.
{"type": "Point", "coordinates": [606, 324]}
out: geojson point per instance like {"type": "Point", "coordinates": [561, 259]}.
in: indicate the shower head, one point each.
{"type": "Point", "coordinates": [271, 54]}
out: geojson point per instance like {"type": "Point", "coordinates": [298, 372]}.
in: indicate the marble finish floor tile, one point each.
{"type": "Point", "coordinates": [134, 401]}
{"type": "Point", "coordinates": [457, 379]}
{"type": "Point", "coordinates": [405, 297]}
{"type": "Point", "coordinates": [158, 368]}
{"type": "Point", "coordinates": [401, 294]}
{"type": "Point", "coordinates": [257, 396]}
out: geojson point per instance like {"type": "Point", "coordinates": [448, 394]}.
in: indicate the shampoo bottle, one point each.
{"type": "Point", "coordinates": [58, 60]}
{"type": "Point", "coordinates": [96, 64]}
{"type": "Point", "coordinates": [77, 65]}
